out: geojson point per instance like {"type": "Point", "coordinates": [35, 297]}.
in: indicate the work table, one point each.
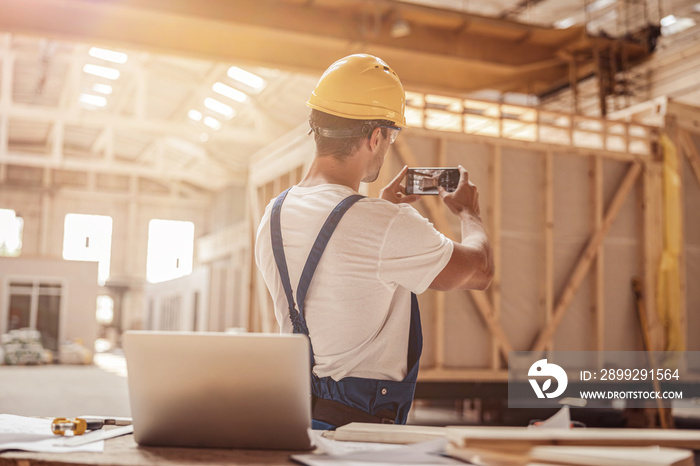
{"type": "Point", "coordinates": [123, 451]}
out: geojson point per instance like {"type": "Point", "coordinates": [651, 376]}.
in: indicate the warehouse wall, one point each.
{"type": "Point", "coordinates": [44, 213]}
{"type": "Point", "coordinates": [458, 340]}
{"type": "Point", "coordinates": [522, 267]}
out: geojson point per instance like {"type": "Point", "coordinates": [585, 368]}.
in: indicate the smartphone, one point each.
{"type": "Point", "coordinates": [425, 180]}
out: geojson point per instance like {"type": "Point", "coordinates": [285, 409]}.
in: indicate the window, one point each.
{"type": "Point", "coordinates": [11, 228]}
{"type": "Point", "coordinates": [37, 305]}
{"type": "Point", "coordinates": [170, 250]}
{"type": "Point", "coordinates": [105, 310]}
{"type": "Point", "coordinates": [89, 238]}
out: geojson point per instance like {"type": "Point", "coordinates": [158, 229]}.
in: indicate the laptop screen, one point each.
{"type": "Point", "coordinates": [219, 390]}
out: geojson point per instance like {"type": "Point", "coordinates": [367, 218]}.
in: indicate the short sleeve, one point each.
{"type": "Point", "coordinates": [414, 252]}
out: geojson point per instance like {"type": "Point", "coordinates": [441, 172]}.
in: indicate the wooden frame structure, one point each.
{"type": "Point", "coordinates": [621, 161]}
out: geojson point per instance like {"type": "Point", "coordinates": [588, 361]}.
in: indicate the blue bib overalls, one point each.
{"type": "Point", "coordinates": [351, 399]}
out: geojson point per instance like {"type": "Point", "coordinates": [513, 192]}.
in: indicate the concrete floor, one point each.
{"type": "Point", "coordinates": [101, 390]}
{"type": "Point", "coordinates": [65, 391]}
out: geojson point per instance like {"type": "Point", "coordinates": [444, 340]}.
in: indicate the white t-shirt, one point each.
{"type": "Point", "coordinates": [358, 304]}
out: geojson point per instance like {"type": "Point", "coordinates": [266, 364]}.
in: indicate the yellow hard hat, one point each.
{"type": "Point", "coordinates": [360, 87]}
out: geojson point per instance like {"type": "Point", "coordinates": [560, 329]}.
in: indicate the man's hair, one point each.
{"type": "Point", "coordinates": [340, 147]}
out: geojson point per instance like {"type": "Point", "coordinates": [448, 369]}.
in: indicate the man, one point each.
{"type": "Point", "coordinates": [355, 293]}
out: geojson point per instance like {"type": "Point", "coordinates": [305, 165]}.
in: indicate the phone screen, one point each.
{"type": "Point", "coordinates": [425, 180]}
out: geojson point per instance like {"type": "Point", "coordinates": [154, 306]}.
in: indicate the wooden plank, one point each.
{"type": "Point", "coordinates": [532, 145]}
{"type": "Point", "coordinates": [506, 437]}
{"type": "Point", "coordinates": [490, 436]}
{"type": "Point", "coordinates": [495, 215]}
{"type": "Point", "coordinates": [548, 241]}
{"type": "Point", "coordinates": [589, 253]}
{"type": "Point", "coordinates": [597, 284]}
{"type": "Point", "coordinates": [650, 225]}
{"type": "Point", "coordinates": [573, 455]}
{"type": "Point", "coordinates": [573, 83]}
{"type": "Point", "coordinates": [691, 152]}
{"type": "Point", "coordinates": [447, 374]}
{"type": "Point", "coordinates": [682, 267]}
{"type": "Point", "coordinates": [124, 451]}
{"type": "Point", "coordinates": [685, 116]}
{"type": "Point", "coordinates": [387, 433]}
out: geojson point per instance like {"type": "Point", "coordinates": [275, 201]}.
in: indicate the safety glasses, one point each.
{"type": "Point", "coordinates": [393, 132]}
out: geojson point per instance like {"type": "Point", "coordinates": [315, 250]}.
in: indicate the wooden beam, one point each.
{"type": "Point", "coordinates": [686, 116]}
{"type": "Point", "coordinates": [548, 240]}
{"type": "Point", "coordinates": [597, 283]}
{"type": "Point", "coordinates": [464, 375]}
{"type": "Point", "coordinates": [586, 259]}
{"type": "Point", "coordinates": [308, 36]}
{"type": "Point", "coordinates": [211, 182]}
{"type": "Point", "coordinates": [682, 266]}
{"type": "Point", "coordinates": [651, 245]}
{"type": "Point", "coordinates": [6, 84]}
{"type": "Point", "coordinates": [563, 147]}
{"type": "Point", "coordinates": [494, 214]}
{"type": "Point", "coordinates": [691, 152]}
{"type": "Point", "coordinates": [437, 215]}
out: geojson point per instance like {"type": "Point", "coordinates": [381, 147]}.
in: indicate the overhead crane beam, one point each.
{"type": "Point", "coordinates": [446, 50]}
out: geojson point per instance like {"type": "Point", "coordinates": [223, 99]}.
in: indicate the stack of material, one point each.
{"type": "Point", "coordinates": [74, 352]}
{"type": "Point", "coordinates": [515, 446]}
{"type": "Point", "coordinates": [23, 347]}
{"type": "Point", "coordinates": [607, 447]}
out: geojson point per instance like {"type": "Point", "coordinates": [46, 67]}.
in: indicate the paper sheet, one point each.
{"type": "Point", "coordinates": [32, 434]}
{"type": "Point", "coordinates": [338, 453]}
{"type": "Point", "coordinates": [560, 420]}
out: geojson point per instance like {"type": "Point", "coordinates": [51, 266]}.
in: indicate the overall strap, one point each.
{"type": "Point", "coordinates": [297, 317]}
{"type": "Point", "coordinates": [320, 245]}
{"type": "Point", "coordinates": [281, 261]}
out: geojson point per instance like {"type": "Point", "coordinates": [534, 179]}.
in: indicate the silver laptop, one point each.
{"type": "Point", "coordinates": [218, 390]}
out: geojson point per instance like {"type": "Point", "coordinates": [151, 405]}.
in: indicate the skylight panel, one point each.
{"type": "Point", "coordinates": [249, 79]}
{"type": "Point", "coordinates": [673, 25]}
{"type": "Point", "coordinates": [96, 100]}
{"type": "Point", "coordinates": [219, 107]}
{"type": "Point", "coordinates": [565, 23]}
{"type": "Point", "coordinates": [598, 5]}
{"type": "Point", "coordinates": [195, 115]}
{"type": "Point", "coordinates": [668, 20]}
{"type": "Point", "coordinates": [213, 123]}
{"type": "Point", "coordinates": [228, 91]}
{"type": "Point", "coordinates": [105, 89]}
{"type": "Point", "coordinates": [109, 55]}
{"type": "Point", "coordinates": [101, 71]}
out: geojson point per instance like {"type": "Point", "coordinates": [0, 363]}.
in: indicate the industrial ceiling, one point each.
{"type": "Point", "coordinates": [197, 87]}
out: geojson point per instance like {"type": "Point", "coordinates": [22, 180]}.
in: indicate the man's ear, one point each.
{"type": "Point", "coordinates": [374, 139]}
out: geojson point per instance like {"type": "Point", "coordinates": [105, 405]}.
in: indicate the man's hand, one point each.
{"type": "Point", "coordinates": [395, 192]}
{"type": "Point", "coordinates": [464, 198]}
